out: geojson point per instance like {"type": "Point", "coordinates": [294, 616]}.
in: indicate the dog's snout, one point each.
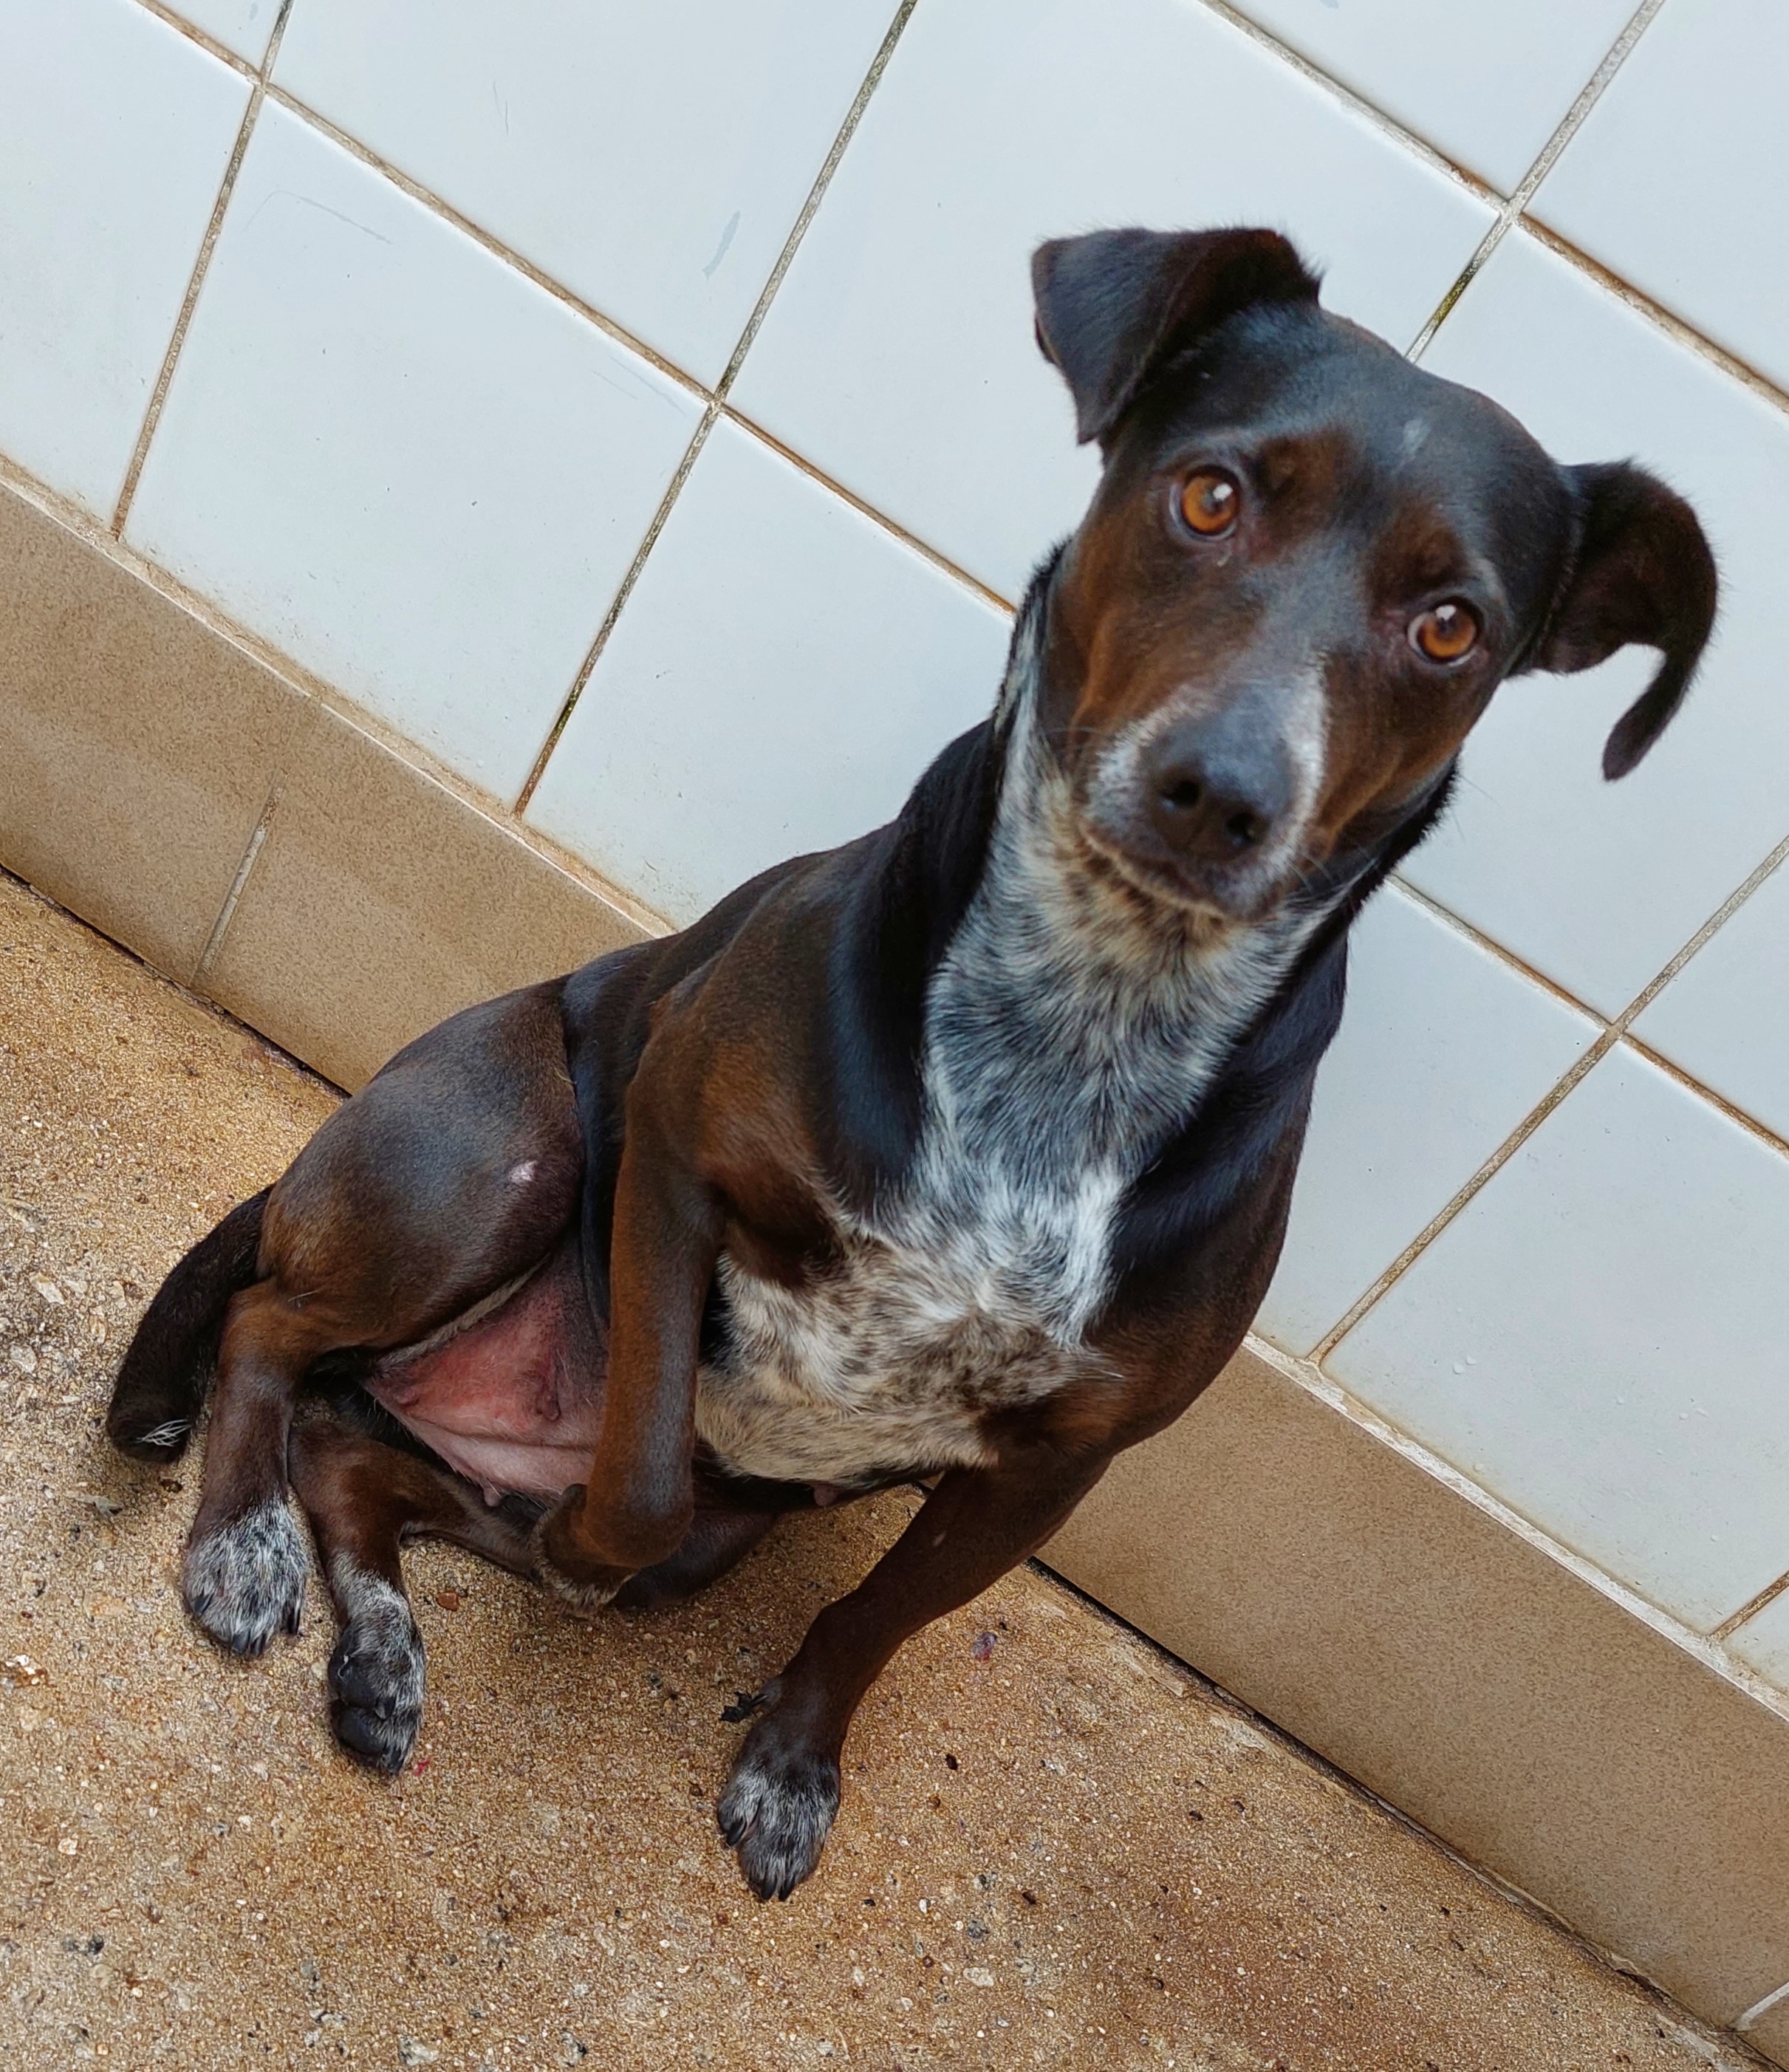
{"type": "Point", "coordinates": [1218, 787]}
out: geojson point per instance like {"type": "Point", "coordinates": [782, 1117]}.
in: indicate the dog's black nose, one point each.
{"type": "Point", "coordinates": [1217, 786]}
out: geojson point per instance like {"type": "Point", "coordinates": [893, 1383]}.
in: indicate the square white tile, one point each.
{"type": "Point", "coordinates": [400, 461]}
{"type": "Point", "coordinates": [1599, 885]}
{"type": "Point", "coordinates": [1487, 82]}
{"type": "Point", "coordinates": [652, 159]}
{"type": "Point", "coordinates": [1675, 180]}
{"type": "Point", "coordinates": [1724, 1018]}
{"type": "Point", "coordinates": [1763, 1643]}
{"type": "Point", "coordinates": [782, 673]}
{"type": "Point", "coordinates": [898, 356]}
{"type": "Point", "coordinates": [241, 25]}
{"type": "Point", "coordinates": [115, 131]}
{"type": "Point", "coordinates": [1598, 1338]}
{"type": "Point", "coordinates": [1443, 1049]}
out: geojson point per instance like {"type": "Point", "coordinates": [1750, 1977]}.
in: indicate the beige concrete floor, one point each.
{"type": "Point", "coordinates": [1056, 1847]}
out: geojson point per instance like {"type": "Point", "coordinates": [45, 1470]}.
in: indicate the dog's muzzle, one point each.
{"type": "Point", "coordinates": [1209, 807]}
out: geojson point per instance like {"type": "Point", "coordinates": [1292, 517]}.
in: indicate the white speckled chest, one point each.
{"type": "Point", "coordinates": [1059, 1056]}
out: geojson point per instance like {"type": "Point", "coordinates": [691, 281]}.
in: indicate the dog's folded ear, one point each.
{"type": "Point", "coordinates": [1643, 575]}
{"type": "Point", "coordinates": [1114, 305]}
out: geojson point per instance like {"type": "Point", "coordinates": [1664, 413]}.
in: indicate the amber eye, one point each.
{"type": "Point", "coordinates": [1209, 502]}
{"type": "Point", "coordinates": [1444, 632]}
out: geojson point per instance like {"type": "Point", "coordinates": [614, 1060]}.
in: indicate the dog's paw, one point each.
{"type": "Point", "coordinates": [376, 1673]}
{"type": "Point", "coordinates": [778, 1809]}
{"type": "Point", "coordinates": [582, 1585]}
{"type": "Point", "coordinates": [243, 1582]}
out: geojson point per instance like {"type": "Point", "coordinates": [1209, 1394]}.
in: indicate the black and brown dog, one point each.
{"type": "Point", "coordinates": [962, 1152]}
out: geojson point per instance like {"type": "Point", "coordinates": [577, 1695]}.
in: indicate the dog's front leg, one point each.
{"type": "Point", "coordinates": [638, 1502]}
{"type": "Point", "coordinates": [978, 1523]}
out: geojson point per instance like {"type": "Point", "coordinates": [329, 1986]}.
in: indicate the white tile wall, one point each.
{"type": "Point", "coordinates": [399, 460]}
{"type": "Point", "coordinates": [1724, 1018]}
{"type": "Point", "coordinates": [782, 673]}
{"type": "Point", "coordinates": [1442, 1052]}
{"type": "Point", "coordinates": [1485, 81]}
{"type": "Point", "coordinates": [242, 26]}
{"type": "Point", "coordinates": [653, 159]}
{"type": "Point", "coordinates": [898, 356]}
{"type": "Point", "coordinates": [1675, 180]}
{"type": "Point", "coordinates": [115, 130]}
{"type": "Point", "coordinates": [1598, 1338]}
{"type": "Point", "coordinates": [1599, 885]}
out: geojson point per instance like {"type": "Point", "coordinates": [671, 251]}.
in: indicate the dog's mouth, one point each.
{"type": "Point", "coordinates": [1214, 900]}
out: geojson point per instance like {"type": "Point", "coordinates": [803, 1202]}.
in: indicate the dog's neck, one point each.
{"type": "Point", "coordinates": [1073, 1022]}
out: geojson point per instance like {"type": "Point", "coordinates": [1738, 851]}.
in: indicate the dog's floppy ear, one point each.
{"type": "Point", "coordinates": [1643, 573]}
{"type": "Point", "coordinates": [1113, 306]}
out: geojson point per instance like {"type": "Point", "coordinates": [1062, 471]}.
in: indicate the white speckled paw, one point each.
{"type": "Point", "coordinates": [777, 1810]}
{"type": "Point", "coordinates": [245, 1581]}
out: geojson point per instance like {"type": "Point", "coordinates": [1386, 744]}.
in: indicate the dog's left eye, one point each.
{"type": "Point", "coordinates": [1209, 501]}
{"type": "Point", "coordinates": [1444, 632]}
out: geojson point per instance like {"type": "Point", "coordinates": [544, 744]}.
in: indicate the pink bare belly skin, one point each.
{"type": "Point", "coordinates": [513, 1401]}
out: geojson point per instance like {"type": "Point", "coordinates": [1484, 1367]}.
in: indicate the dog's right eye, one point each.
{"type": "Point", "coordinates": [1209, 502]}
{"type": "Point", "coordinates": [1446, 632]}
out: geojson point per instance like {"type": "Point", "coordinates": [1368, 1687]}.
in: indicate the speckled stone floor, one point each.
{"type": "Point", "coordinates": [1057, 1847]}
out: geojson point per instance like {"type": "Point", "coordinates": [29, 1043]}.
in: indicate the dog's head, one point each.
{"type": "Point", "coordinates": [1307, 566]}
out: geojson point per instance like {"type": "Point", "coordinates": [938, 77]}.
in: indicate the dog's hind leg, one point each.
{"type": "Point", "coordinates": [365, 1499]}
{"type": "Point", "coordinates": [244, 1573]}
{"type": "Point", "coordinates": [453, 1172]}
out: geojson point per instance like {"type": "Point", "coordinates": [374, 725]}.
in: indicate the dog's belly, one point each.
{"type": "Point", "coordinates": [511, 1394]}
{"type": "Point", "coordinates": [888, 1366]}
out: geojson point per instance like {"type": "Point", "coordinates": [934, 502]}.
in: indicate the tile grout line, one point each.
{"type": "Point", "coordinates": [1736, 1115]}
{"type": "Point", "coordinates": [1749, 1610]}
{"type": "Point", "coordinates": [1614, 1031]}
{"type": "Point", "coordinates": [1307, 69]}
{"type": "Point", "coordinates": [881, 519]}
{"type": "Point", "coordinates": [426, 197]}
{"type": "Point", "coordinates": [823, 179]}
{"type": "Point", "coordinates": [716, 400]}
{"type": "Point", "coordinates": [594, 654]}
{"type": "Point", "coordinates": [1718, 920]}
{"type": "Point", "coordinates": [152, 418]}
{"type": "Point", "coordinates": [1516, 204]}
{"type": "Point", "coordinates": [1759, 2009]}
{"type": "Point", "coordinates": [1592, 1054]}
{"type": "Point", "coordinates": [1459, 925]}
{"type": "Point", "coordinates": [195, 34]}
{"type": "Point", "coordinates": [239, 884]}
{"type": "Point", "coordinates": [1681, 333]}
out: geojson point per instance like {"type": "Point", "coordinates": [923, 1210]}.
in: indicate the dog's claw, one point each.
{"type": "Point", "coordinates": [745, 1704]}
